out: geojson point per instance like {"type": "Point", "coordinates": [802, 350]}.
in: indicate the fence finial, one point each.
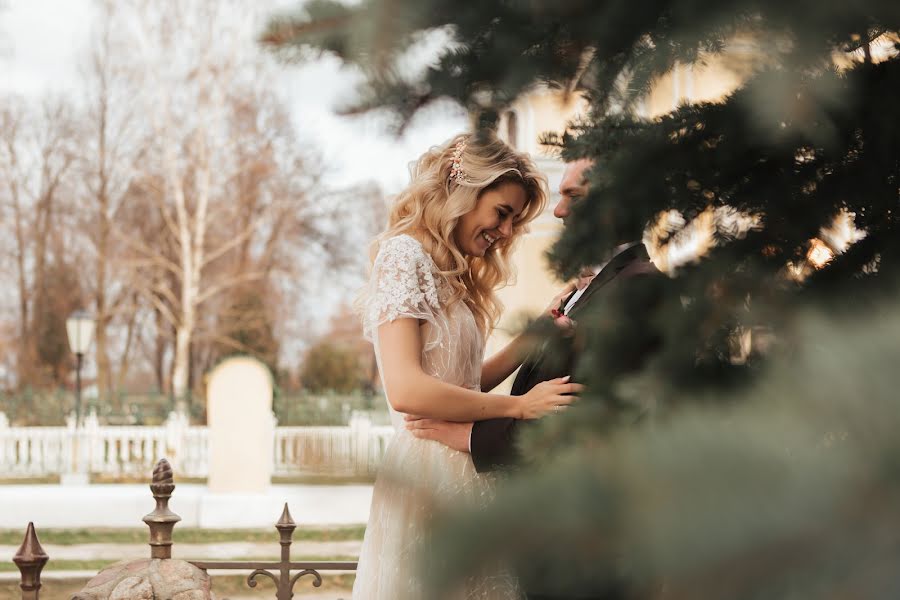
{"type": "Point", "coordinates": [285, 527]}
{"type": "Point", "coordinates": [30, 558]}
{"type": "Point", "coordinates": [286, 520]}
{"type": "Point", "coordinates": [162, 520]}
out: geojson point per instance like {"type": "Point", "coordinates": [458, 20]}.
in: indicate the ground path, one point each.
{"type": "Point", "coordinates": [63, 588]}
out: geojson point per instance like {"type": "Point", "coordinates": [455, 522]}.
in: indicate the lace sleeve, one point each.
{"type": "Point", "coordinates": [402, 286]}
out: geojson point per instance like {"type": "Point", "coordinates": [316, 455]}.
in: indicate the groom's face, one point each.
{"type": "Point", "coordinates": [572, 188]}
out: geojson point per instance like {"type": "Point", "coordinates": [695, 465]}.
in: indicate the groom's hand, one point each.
{"type": "Point", "coordinates": [554, 310]}
{"type": "Point", "coordinates": [451, 434]}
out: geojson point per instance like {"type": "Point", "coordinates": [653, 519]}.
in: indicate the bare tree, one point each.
{"type": "Point", "coordinates": [113, 140]}
{"type": "Point", "coordinates": [225, 174]}
{"type": "Point", "coordinates": [182, 187]}
{"type": "Point", "coordinates": [36, 158]}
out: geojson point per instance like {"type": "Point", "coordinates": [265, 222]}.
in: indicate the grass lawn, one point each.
{"type": "Point", "coordinates": [185, 535]}
{"type": "Point", "coordinates": [52, 590]}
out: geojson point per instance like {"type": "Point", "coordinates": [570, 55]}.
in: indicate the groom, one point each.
{"type": "Point", "coordinates": [493, 442]}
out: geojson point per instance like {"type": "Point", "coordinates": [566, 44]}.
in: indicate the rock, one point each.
{"type": "Point", "coordinates": [148, 580]}
{"type": "Point", "coordinates": [132, 588]}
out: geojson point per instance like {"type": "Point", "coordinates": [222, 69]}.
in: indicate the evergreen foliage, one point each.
{"type": "Point", "coordinates": [752, 453]}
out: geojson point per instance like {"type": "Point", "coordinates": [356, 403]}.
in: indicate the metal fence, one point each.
{"type": "Point", "coordinates": [285, 573]}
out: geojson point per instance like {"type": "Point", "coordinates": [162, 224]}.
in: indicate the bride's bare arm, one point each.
{"type": "Point", "coordinates": [502, 364]}
{"type": "Point", "coordinates": [412, 391]}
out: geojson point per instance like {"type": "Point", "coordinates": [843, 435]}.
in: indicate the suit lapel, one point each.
{"type": "Point", "coordinates": [609, 272]}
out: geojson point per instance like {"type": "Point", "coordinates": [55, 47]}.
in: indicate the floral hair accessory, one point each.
{"type": "Point", "coordinates": [456, 170]}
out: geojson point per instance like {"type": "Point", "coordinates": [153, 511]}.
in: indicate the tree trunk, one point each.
{"type": "Point", "coordinates": [180, 366]}
{"type": "Point", "coordinates": [159, 350]}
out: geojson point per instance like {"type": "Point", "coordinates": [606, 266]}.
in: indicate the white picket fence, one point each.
{"type": "Point", "coordinates": [117, 451]}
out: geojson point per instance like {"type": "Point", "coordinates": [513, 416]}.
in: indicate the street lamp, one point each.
{"type": "Point", "coordinates": [80, 329]}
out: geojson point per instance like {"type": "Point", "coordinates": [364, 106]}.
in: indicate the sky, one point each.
{"type": "Point", "coordinates": [40, 41]}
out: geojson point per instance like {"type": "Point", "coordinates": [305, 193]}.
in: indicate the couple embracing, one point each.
{"type": "Point", "coordinates": [428, 308]}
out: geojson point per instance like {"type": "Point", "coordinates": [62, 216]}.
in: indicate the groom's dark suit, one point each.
{"type": "Point", "coordinates": [493, 441]}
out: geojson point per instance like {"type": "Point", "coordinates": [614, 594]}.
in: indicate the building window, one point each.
{"type": "Point", "coordinates": [512, 129]}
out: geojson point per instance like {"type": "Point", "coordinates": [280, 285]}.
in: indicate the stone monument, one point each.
{"type": "Point", "coordinates": [241, 427]}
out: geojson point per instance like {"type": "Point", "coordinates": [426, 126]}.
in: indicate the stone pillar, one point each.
{"type": "Point", "coordinates": [174, 441]}
{"type": "Point", "coordinates": [5, 455]}
{"type": "Point", "coordinates": [76, 472]}
{"type": "Point", "coordinates": [241, 427]}
{"type": "Point", "coordinates": [361, 426]}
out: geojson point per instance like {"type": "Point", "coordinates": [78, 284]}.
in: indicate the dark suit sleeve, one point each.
{"type": "Point", "coordinates": [493, 444]}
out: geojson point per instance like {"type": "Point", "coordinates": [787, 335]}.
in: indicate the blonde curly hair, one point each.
{"type": "Point", "coordinates": [430, 207]}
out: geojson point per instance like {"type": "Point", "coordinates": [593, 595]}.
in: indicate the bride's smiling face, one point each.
{"type": "Point", "coordinates": [496, 209]}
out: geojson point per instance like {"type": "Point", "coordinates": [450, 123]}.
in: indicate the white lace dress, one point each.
{"type": "Point", "coordinates": [419, 478]}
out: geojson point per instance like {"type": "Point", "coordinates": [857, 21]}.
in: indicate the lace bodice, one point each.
{"type": "Point", "coordinates": [405, 283]}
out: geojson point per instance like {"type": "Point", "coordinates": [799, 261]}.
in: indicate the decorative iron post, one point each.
{"type": "Point", "coordinates": [162, 520]}
{"type": "Point", "coordinates": [286, 527]}
{"type": "Point", "coordinates": [30, 558]}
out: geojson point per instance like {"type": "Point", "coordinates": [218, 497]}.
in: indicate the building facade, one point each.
{"type": "Point", "coordinates": [549, 110]}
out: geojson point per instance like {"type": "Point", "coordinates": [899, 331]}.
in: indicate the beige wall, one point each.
{"type": "Point", "coordinates": [707, 82]}
{"type": "Point", "coordinates": [535, 284]}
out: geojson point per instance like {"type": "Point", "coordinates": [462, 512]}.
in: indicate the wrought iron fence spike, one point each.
{"type": "Point", "coordinates": [31, 549]}
{"type": "Point", "coordinates": [286, 519]}
{"type": "Point", "coordinates": [30, 558]}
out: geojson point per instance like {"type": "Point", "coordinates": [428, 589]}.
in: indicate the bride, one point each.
{"type": "Point", "coordinates": [428, 307]}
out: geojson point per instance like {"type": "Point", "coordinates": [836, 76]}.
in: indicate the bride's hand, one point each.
{"type": "Point", "coordinates": [548, 396]}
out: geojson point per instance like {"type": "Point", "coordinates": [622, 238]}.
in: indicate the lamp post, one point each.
{"type": "Point", "coordinates": [80, 330]}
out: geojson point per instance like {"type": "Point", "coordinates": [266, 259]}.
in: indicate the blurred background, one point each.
{"type": "Point", "coordinates": [185, 182]}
